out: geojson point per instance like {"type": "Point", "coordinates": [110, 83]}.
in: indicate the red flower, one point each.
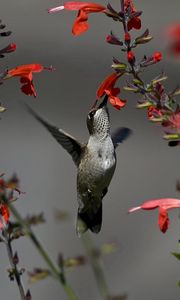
{"type": "Point", "coordinates": [8, 49]}
{"type": "Point", "coordinates": [26, 77]}
{"type": "Point", "coordinates": [11, 47]}
{"type": "Point", "coordinates": [133, 22]}
{"type": "Point", "coordinates": [130, 56]}
{"type": "Point", "coordinates": [4, 215]}
{"type": "Point", "coordinates": [164, 205]}
{"type": "Point", "coordinates": [84, 8]}
{"type": "Point", "coordinates": [157, 56]}
{"type": "Point", "coordinates": [173, 33]}
{"type": "Point", "coordinates": [107, 87]}
{"type": "Point", "coordinates": [154, 113]}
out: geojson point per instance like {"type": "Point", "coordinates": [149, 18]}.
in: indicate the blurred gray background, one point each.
{"type": "Point", "coordinates": [147, 168]}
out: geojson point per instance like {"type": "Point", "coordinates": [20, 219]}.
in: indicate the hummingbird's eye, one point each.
{"type": "Point", "coordinates": [91, 114]}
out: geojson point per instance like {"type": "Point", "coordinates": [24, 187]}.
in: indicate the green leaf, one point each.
{"type": "Point", "coordinates": [177, 255]}
{"type": "Point", "coordinates": [156, 119]}
{"type": "Point", "coordinates": [178, 283]}
{"type": "Point", "coordinates": [144, 105]}
{"type": "Point", "coordinates": [130, 89]}
{"type": "Point", "coordinates": [2, 109]}
{"type": "Point", "coordinates": [120, 66]}
{"type": "Point", "coordinates": [137, 81]}
{"type": "Point", "coordinates": [156, 80]}
{"type": "Point", "coordinates": [171, 136]}
{"type": "Point", "coordinates": [143, 40]}
{"type": "Point", "coordinates": [38, 274]}
{"type": "Point", "coordinates": [176, 92]}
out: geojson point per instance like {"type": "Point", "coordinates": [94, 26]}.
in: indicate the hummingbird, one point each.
{"type": "Point", "coordinates": [95, 162]}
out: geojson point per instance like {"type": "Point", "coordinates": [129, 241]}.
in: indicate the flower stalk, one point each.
{"type": "Point", "coordinates": [13, 262]}
{"type": "Point", "coordinates": [55, 271]}
{"type": "Point", "coordinates": [94, 259]}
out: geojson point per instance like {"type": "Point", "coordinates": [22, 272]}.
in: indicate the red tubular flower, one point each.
{"type": "Point", "coordinates": [107, 87]}
{"type": "Point", "coordinates": [164, 205]}
{"type": "Point", "coordinates": [4, 215]}
{"type": "Point", "coordinates": [26, 77]}
{"type": "Point", "coordinates": [157, 56]}
{"type": "Point", "coordinates": [84, 8]}
{"type": "Point", "coordinates": [133, 22]}
{"type": "Point", "coordinates": [130, 56]}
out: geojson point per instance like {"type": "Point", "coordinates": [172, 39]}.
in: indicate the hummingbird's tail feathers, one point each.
{"type": "Point", "coordinates": [88, 220]}
{"type": "Point", "coordinates": [120, 135]}
{"type": "Point", "coordinates": [69, 143]}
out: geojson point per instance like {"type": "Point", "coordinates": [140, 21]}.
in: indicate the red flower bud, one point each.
{"type": "Point", "coordinates": [11, 48]}
{"type": "Point", "coordinates": [157, 56]}
{"type": "Point", "coordinates": [127, 37]}
{"type": "Point", "coordinates": [108, 39]}
{"type": "Point", "coordinates": [130, 56]}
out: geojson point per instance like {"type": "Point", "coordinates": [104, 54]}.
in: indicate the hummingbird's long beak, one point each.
{"type": "Point", "coordinates": [104, 102]}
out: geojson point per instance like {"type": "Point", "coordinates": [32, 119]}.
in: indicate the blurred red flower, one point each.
{"type": "Point", "coordinates": [84, 8]}
{"type": "Point", "coordinates": [173, 33]}
{"type": "Point", "coordinates": [134, 22]}
{"type": "Point", "coordinates": [107, 87]}
{"type": "Point", "coordinates": [164, 205]}
{"type": "Point", "coordinates": [173, 122]}
{"type": "Point", "coordinates": [26, 77]}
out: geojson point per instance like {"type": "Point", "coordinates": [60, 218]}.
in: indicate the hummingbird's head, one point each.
{"type": "Point", "coordinates": [98, 119]}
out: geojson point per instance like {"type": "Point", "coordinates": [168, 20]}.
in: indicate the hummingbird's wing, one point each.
{"type": "Point", "coordinates": [120, 135]}
{"type": "Point", "coordinates": [69, 143]}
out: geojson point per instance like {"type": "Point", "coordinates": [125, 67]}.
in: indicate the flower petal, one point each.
{"type": "Point", "coordinates": [107, 84]}
{"type": "Point", "coordinates": [134, 209]}
{"type": "Point", "coordinates": [114, 100]}
{"type": "Point", "coordinates": [163, 220]}
{"type": "Point", "coordinates": [86, 6]}
{"type": "Point", "coordinates": [28, 87]}
{"type": "Point", "coordinates": [80, 25]}
{"type": "Point", "coordinates": [4, 212]}
{"type": "Point", "coordinates": [55, 9]}
{"type": "Point", "coordinates": [24, 70]}
{"type": "Point", "coordinates": [134, 23]}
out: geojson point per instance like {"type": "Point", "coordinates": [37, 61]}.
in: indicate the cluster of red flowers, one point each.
{"type": "Point", "coordinates": [130, 18]}
{"type": "Point", "coordinates": [160, 105]}
{"type": "Point", "coordinates": [81, 25]}
{"type": "Point", "coordinates": [24, 71]}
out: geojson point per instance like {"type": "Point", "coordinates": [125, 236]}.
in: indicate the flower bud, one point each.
{"type": "Point", "coordinates": [157, 56]}
{"type": "Point", "coordinates": [130, 56]}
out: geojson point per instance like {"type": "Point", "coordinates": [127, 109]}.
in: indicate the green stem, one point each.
{"type": "Point", "coordinates": [95, 262]}
{"type": "Point", "coordinates": [54, 269]}
{"type": "Point", "coordinates": [15, 270]}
